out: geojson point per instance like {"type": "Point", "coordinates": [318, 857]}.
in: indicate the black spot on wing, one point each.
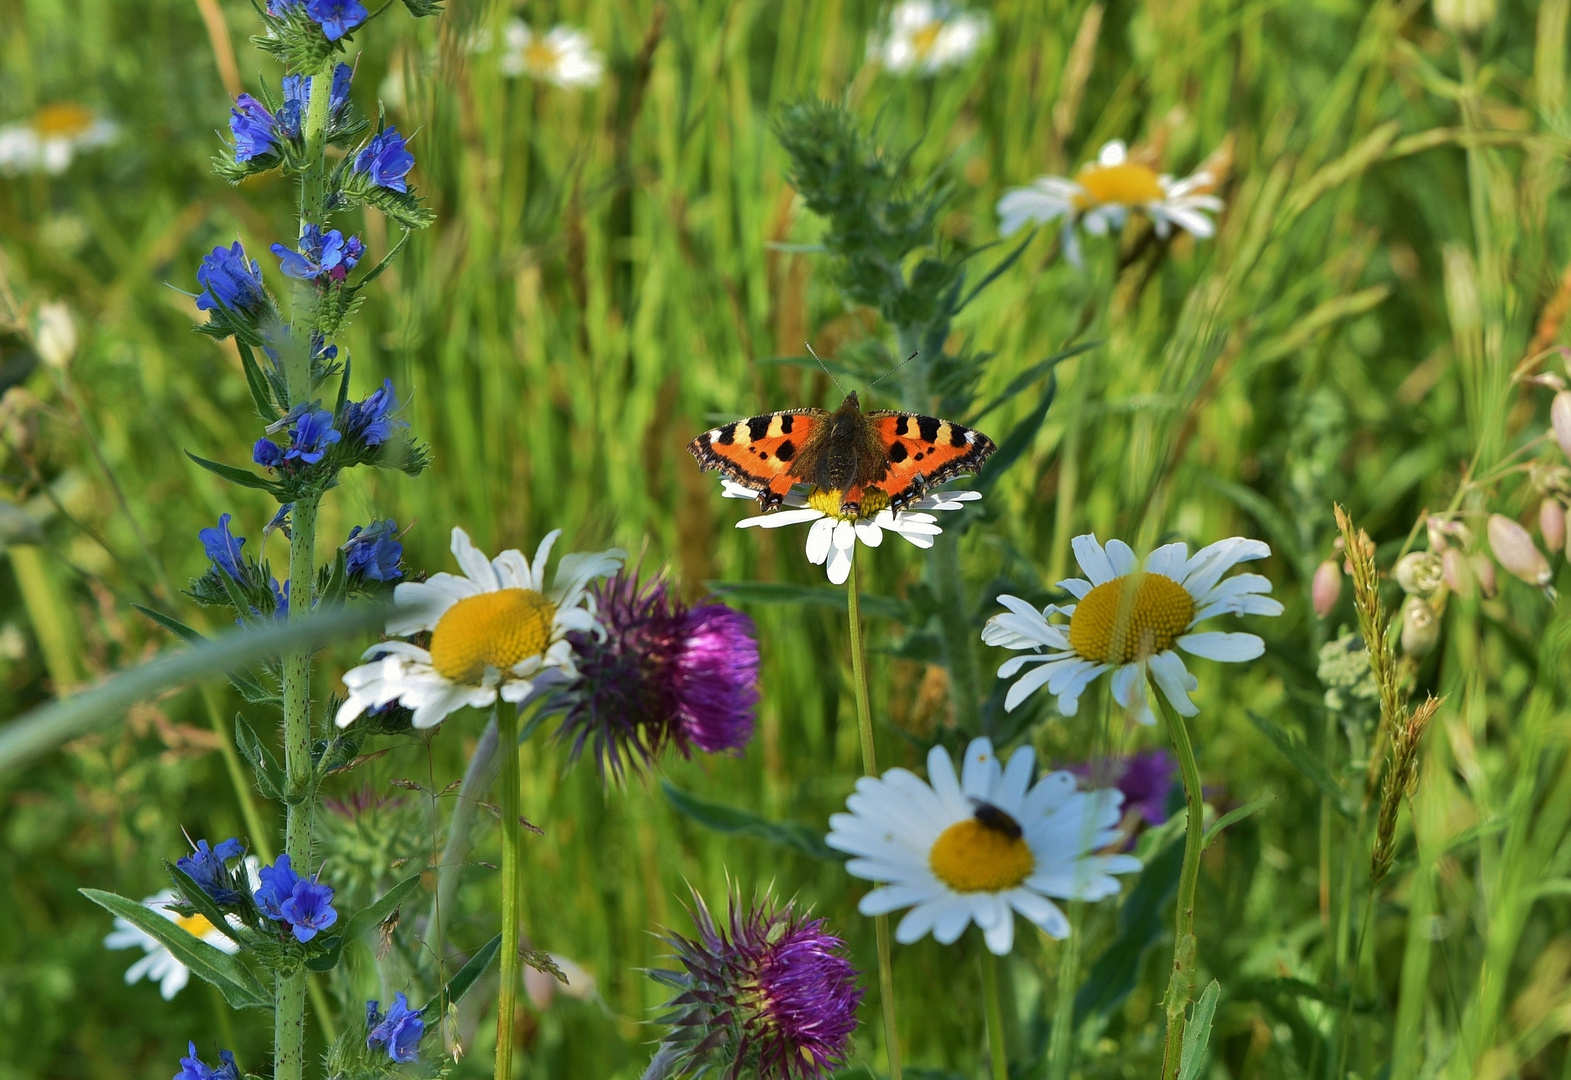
{"type": "Point", "coordinates": [758, 427]}
{"type": "Point", "coordinates": [703, 441]}
{"type": "Point", "coordinates": [928, 427]}
{"type": "Point", "coordinates": [902, 425]}
{"type": "Point", "coordinates": [957, 435]}
{"type": "Point", "coordinates": [897, 452]}
{"type": "Point", "coordinates": [786, 423]}
{"type": "Point", "coordinates": [786, 450]}
{"type": "Point", "coordinates": [727, 435]}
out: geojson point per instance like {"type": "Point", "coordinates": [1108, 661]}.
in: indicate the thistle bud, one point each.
{"type": "Point", "coordinates": [1483, 568]}
{"type": "Point", "coordinates": [1420, 628]}
{"type": "Point", "coordinates": [1515, 551]}
{"type": "Point", "coordinates": [54, 335]}
{"type": "Point", "coordinates": [1419, 573]}
{"type": "Point", "coordinates": [1326, 589]}
{"type": "Point", "coordinates": [1458, 574]}
{"type": "Point", "coordinates": [1552, 524]}
{"type": "Point", "coordinates": [1560, 420]}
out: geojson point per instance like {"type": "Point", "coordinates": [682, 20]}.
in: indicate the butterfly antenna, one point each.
{"type": "Point", "coordinates": [821, 364]}
{"type": "Point", "coordinates": [892, 370]}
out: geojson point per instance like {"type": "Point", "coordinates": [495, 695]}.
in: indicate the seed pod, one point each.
{"type": "Point", "coordinates": [1419, 573]}
{"type": "Point", "coordinates": [1458, 575]}
{"type": "Point", "coordinates": [1436, 529]}
{"type": "Point", "coordinates": [1483, 568]}
{"type": "Point", "coordinates": [1515, 551]}
{"type": "Point", "coordinates": [1420, 628]}
{"type": "Point", "coordinates": [1560, 420]}
{"type": "Point", "coordinates": [54, 335]}
{"type": "Point", "coordinates": [1326, 589]}
{"type": "Point", "coordinates": [1552, 524]}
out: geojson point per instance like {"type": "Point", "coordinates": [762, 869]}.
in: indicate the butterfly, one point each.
{"type": "Point", "coordinates": [897, 454]}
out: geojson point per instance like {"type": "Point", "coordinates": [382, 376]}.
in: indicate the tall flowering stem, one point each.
{"type": "Point", "coordinates": [512, 783]}
{"type": "Point", "coordinates": [864, 723]}
{"type": "Point", "coordinates": [1181, 982]}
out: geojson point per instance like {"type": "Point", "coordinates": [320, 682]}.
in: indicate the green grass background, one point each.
{"type": "Point", "coordinates": [605, 278]}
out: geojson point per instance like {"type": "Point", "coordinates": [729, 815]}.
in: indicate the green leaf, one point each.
{"type": "Point", "coordinates": [332, 593]}
{"type": "Point", "coordinates": [242, 477]}
{"type": "Point", "coordinates": [233, 979]}
{"type": "Point", "coordinates": [1282, 535]}
{"type": "Point", "coordinates": [194, 895]}
{"type": "Point", "coordinates": [728, 819]}
{"type": "Point", "coordinates": [261, 393]}
{"type": "Point", "coordinates": [826, 596]}
{"type": "Point", "coordinates": [1031, 375]}
{"type": "Point", "coordinates": [1234, 816]}
{"type": "Point", "coordinates": [1297, 752]}
{"type": "Point", "coordinates": [1198, 1034]}
{"type": "Point", "coordinates": [270, 778]}
{"type": "Point", "coordinates": [365, 919]}
{"type": "Point", "coordinates": [1142, 920]}
{"type": "Point", "coordinates": [1018, 441]}
{"type": "Point", "coordinates": [249, 688]}
{"type": "Point", "coordinates": [459, 984]}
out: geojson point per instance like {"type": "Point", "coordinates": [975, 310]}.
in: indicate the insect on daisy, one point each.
{"type": "Point", "coordinates": [924, 37]}
{"type": "Point", "coordinates": [1128, 621]}
{"type": "Point", "coordinates": [495, 631]}
{"type": "Point", "coordinates": [563, 57]}
{"type": "Point", "coordinates": [979, 847]}
{"type": "Point", "coordinates": [1103, 193]}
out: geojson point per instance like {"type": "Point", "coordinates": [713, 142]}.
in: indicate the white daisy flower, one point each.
{"type": "Point", "coordinates": [1101, 196]}
{"type": "Point", "coordinates": [158, 964]}
{"type": "Point", "coordinates": [925, 36]}
{"type": "Point", "coordinates": [1127, 620]}
{"type": "Point", "coordinates": [495, 632]}
{"type": "Point", "coordinates": [51, 137]}
{"type": "Point", "coordinates": [833, 538]}
{"type": "Point", "coordinates": [565, 56]}
{"type": "Point", "coordinates": [979, 847]}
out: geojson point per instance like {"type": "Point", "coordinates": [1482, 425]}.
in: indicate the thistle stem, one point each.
{"type": "Point", "coordinates": [512, 780]}
{"type": "Point", "coordinates": [997, 1055]}
{"type": "Point", "coordinates": [1182, 980]}
{"type": "Point", "coordinates": [864, 723]}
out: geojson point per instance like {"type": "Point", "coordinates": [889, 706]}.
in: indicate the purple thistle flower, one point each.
{"type": "Point", "coordinates": [207, 867]}
{"type": "Point", "coordinates": [223, 548]}
{"type": "Point", "coordinates": [373, 553]}
{"type": "Point", "coordinates": [309, 909]}
{"type": "Point", "coordinates": [1145, 778]}
{"type": "Point", "coordinates": [400, 1030]}
{"type": "Point", "coordinates": [229, 280]}
{"type": "Point", "coordinates": [253, 127]}
{"type": "Point", "coordinates": [336, 17]}
{"type": "Point", "coordinates": [193, 1068]}
{"type": "Point", "coordinates": [385, 161]}
{"type": "Point", "coordinates": [663, 674]}
{"type": "Point", "coordinates": [370, 422]}
{"type": "Point", "coordinates": [773, 995]}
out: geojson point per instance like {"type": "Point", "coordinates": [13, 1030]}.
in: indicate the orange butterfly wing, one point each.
{"type": "Point", "coordinates": [925, 451]}
{"type": "Point", "coordinates": [758, 452]}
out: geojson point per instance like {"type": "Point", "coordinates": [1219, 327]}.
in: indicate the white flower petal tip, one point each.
{"type": "Point", "coordinates": [979, 846]}
{"type": "Point", "coordinates": [1170, 595]}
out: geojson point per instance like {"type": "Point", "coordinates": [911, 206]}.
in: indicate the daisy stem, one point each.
{"type": "Point", "coordinates": [996, 1053]}
{"type": "Point", "coordinates": [512, 780]}
{"type": "Point", "coordinates": [1182, 979]}
{"type": "Point", "coordinates": [1060, 1047]}
{"type": "Point", "coordinates": [864, 723]}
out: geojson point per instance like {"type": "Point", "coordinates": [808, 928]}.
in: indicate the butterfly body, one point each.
{"type": "Point", "coordinates": [898, 455]}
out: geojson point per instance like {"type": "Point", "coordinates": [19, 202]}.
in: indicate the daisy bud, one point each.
{"type": "Point", "coordinates": [1483, 568]}
{"type": "Point", "coordinates": [1420, 628]}
{"type": "Point", "coordinates": [1515, 551]}
{"type": "Point", "coordinates": [54, 335]}
{"type": "Point", "coordinates": [1560, 420]}
{"type": "Point", "coordinates": [1419, 573]}
{"type": "Point", "coordinates": [1552, 524]}
{"type": "Point", "coordinates": [1458, 575]}
{"type": "Point", "coordinates": [1326, 589]}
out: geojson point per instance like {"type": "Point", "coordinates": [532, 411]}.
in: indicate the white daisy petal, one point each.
{"type": "Point", "coordinates": [1120, 556]}
{"type": "Point", "coordinates": [1076, 587]}
{"type": "Point", "coordinates": [1008, 668]}
{"type": "Point", "coordinates": [819, 539]}
{"type": "Point", "coordinates": [781, 518]}
{"type": "Point", "coordinates": [1113, 152]}
{"type": "Point", "coordinates": [1092, 559]}
{"type": "Point", "coordinates": [1230, 648]}
{"type": "Point", "coordinates": [1028, 684]}
{"type": "Point", "coordinates": [1168, 669]}
{"type": "Point", "coordinates": [472, 561]}
{"type": "Point", "coordinates": [1168, 560]}
{"type": "Point", "coordinates": [981, 771]}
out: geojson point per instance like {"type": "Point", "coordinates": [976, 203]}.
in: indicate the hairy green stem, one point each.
{"type": "Point", "coordinates": [1061, 1043]}
{"type": "Point", "coordinates": [998, 1057]}
{"type": "Point", "coordinates": [864, 723]}
{"type": "Point", "coordinates": [512, 782]}
{"type": "Point", "coordinates": [1182, 980]}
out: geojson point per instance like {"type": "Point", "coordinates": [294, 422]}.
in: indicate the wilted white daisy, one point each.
{"type": "Point", "coordinates": [979, 847]}
{"type": "Point", "coordinates": [1126, 620]}
{"type": "Point", "coordinates": [158, 964]}
{"type": "Point", "coordinates": [1101, 196]}
{"type": "Point", "coordinates": [46, 141]}
{"type": "Point", "coordinates": [833, 538]}
{"type": "Point", "coordinates": [495, 632]}
{"type": "Point", "coordinates": [925, 36]}
{"type": "Point", "coordinates": [564, 56]}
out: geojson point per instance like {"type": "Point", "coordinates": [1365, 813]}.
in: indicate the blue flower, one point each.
{"type": "Point", "coordinates": [321, 254]}
{"type": "Point", "coordinates": [336, 17]}
{"type": "Point", "coordinates": [223, 548]}
{"type": "Point", "coordinates": [400, 1030]}
{"type": "Point", "coordinates": [278, 885]}
{"type": "Point", "coordinates": [279, 8]}
{"type": "Point", "coordinates": [370, 422]}
{"type": "Point", "coordinates": [206, 866]}
{"type": "Point", "coordinates": [280, 599]}
{"type": "Point", "coordinates": [297, 93]}
{"type": "Point", "coordinates": [385, 161]}
{"type": "Point", "coordinates": [192, 1067]}
{"type": "Point", "coordinates": [253, 127]}
{"type": "Point", "coordinates": [310, 437]}
{"type": "Point", "coordinates": [267, 453]}
{"type": "Point", "coordinates": [343, 75]}
{"type": "Point", "coordinates": [229, 280]}
{"type": "Point", "coordinates": [373, 553]}
{"type": "Point", "coordinates": [309, 909]}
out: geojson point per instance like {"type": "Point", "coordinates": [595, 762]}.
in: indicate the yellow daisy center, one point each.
{"type": "Point", "coordinates": [924, 39]}
{"type": "Point", "coordinates": [494, 629]}
{"type": "Point", "coordinates": [62, 120]}
{"type": "Point", "coordinates": [1126, 184]}
{"type": "Point", "coordinates": [1124, 620]}
{"type": "Point", "coordinates": [196, 925]}
{"type": "Point", "coordinates": [972, 856]}
{"type": "Point", "coordinates": [540, 56]}
{"type": "Point", "coordinates": [828, 502]}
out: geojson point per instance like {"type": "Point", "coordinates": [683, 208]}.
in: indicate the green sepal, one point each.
{"type": "Point", "coordinates": [234, 980]}
{"type": "Point", "coordinates": [270, 778]}
{"type": "Point", "coordinates": [236, 476]}
{"type": "Point", "coordinates": [333, 590]}
{"type": "Point", "coordinates": [459, 984]}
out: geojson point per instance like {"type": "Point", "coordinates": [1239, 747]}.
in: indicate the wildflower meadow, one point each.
{"type": "Point", "coordinates": [783, 540]}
